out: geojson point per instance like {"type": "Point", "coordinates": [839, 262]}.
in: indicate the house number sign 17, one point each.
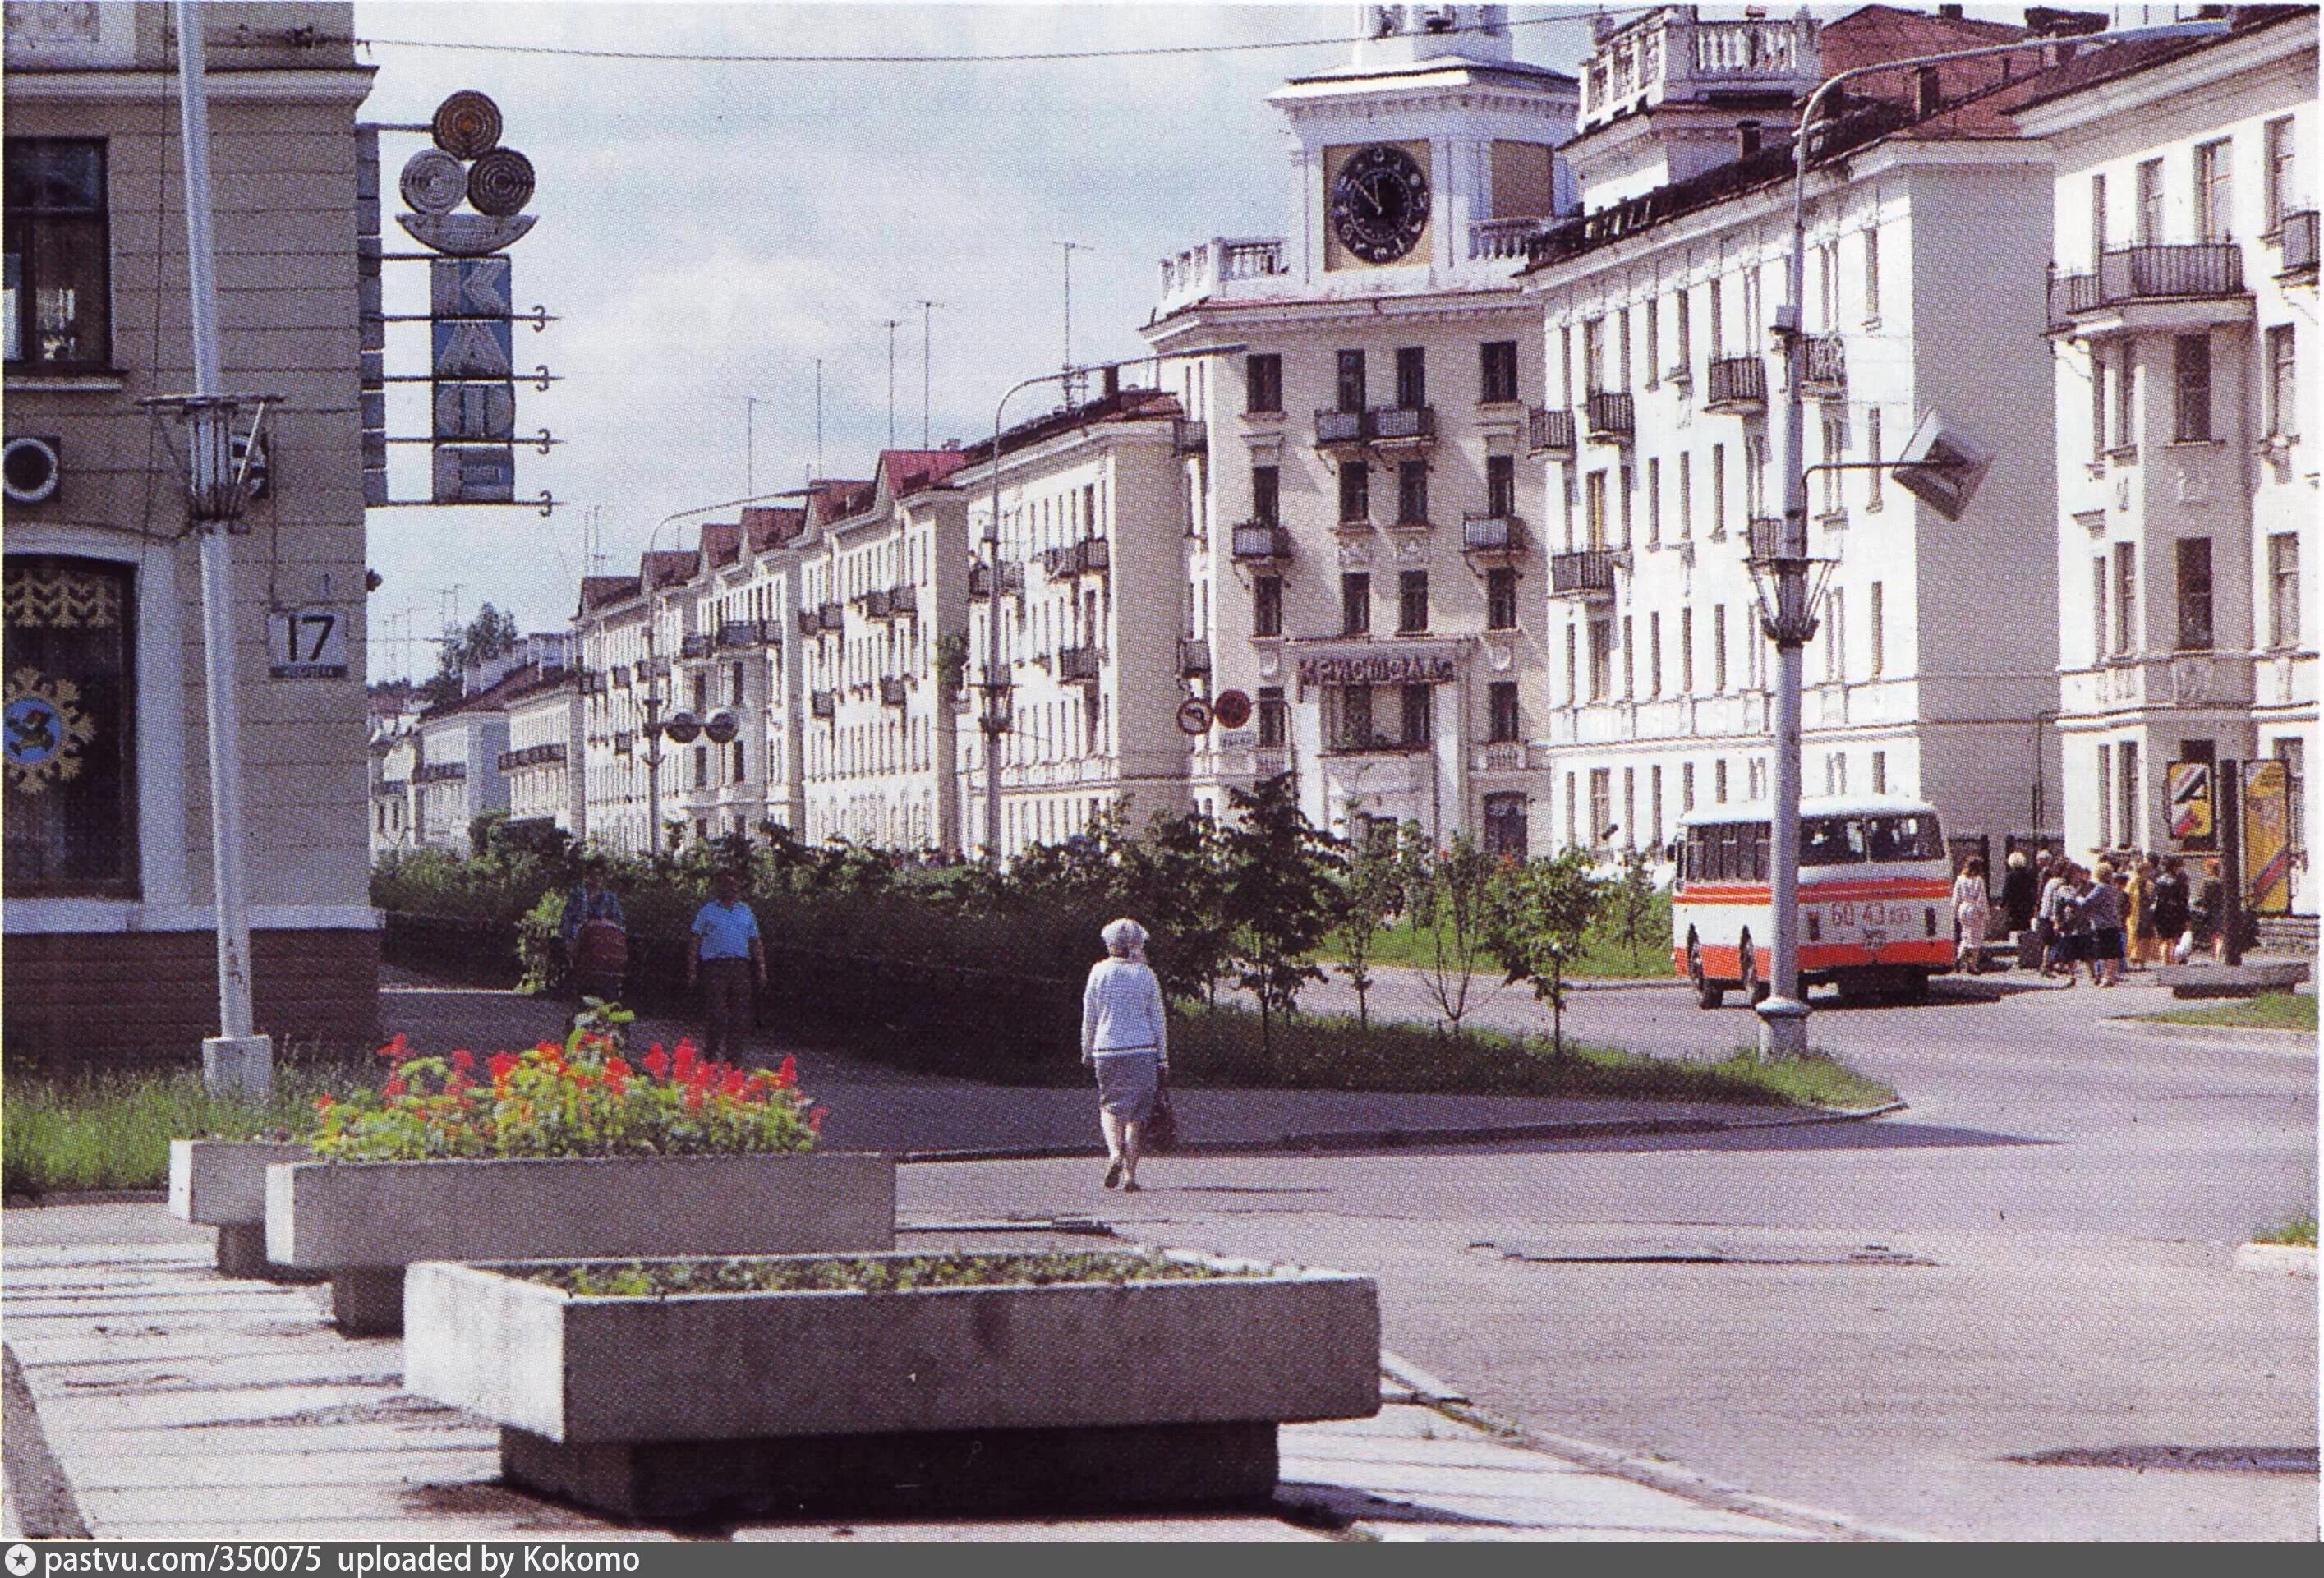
{"type": "Point", "coordinates": [306, 643]}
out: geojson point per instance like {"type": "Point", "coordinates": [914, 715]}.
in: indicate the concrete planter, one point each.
{"type": "Point", "coordinates": [2250, 980]}
{"type": "Point", "coordinates": [364, 1221]}
{"type": "Point", "coordinates": [2277, 1259]}
{"type": "Point", "coordinates": [987, 1397]}
{"type": "Point", "coordinates": [222, 1184]}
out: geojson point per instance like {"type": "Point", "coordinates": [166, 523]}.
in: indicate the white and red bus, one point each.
{"type": "Point", "coordinates": [1876, 912]}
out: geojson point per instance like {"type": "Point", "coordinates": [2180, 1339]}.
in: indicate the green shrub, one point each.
{"type": "Point", "coordinates": [113, 1130]}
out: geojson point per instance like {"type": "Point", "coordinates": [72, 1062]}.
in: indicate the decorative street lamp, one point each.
{"type": "Point", "coordinates": [1940, 468]}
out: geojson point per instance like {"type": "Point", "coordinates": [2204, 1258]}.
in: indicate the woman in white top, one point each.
{"type": "Point", "coordinates": [1972, 911]}
{"type": "Point", "coordinates": [1125, 1038]}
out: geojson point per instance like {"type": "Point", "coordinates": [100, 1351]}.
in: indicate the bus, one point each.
{"type": "Point", "coordinates": [1876, 912]}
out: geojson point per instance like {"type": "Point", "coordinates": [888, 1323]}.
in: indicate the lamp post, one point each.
{"type": "Point", "coordinates": [1789, 614]}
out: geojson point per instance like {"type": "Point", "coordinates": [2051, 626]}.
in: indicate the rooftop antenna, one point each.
{"type": "Point", "coordinates": [818, 417]}
{"type": "Point", "coordinates": [751, 404]}
{"type": "Point", "coordinates": [891, 381]}
{"type": "Point", "coordinates": [1073, 380]}
{"type": "Point", "coordinates": [927, 309]}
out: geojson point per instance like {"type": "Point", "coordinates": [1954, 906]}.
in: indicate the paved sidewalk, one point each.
{"type": "Point", "coordinates": [178, 1404]}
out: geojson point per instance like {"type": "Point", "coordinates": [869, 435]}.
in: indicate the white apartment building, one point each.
{"type": "Point", "coordinates": [2184, 333]}
{"type": "Point", "coordinates": [1092, 535]}
{"type": "Point", "coordinates": [1363, 561]}
{"type": "Point", "coordinates": [541, 765]}
{"type": "Point", "coordinates": [628, 628]}
{"type": "Point", "coordinates": [1931, 674]}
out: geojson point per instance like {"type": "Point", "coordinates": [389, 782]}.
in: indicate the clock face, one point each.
{"type": "Point", "coordinates": [1380, 203]}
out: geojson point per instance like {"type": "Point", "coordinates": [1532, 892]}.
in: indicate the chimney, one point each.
{"type": "Point", "coordinates": [1949, 12]}
{"type": "Point", "coordinates": [1748, 133]}
{"type": "Point", "coordinates": [1111, 383]}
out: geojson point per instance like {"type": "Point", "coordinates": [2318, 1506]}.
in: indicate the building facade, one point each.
{"type": "Point", "coordinates": [110, 927]}
{"type": "Point", "coordinates": [2184, 335]}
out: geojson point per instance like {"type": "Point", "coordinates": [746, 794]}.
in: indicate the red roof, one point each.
{"type": "Point", "coordinates": [768, 527]}
{"type": "Point", "coordinates": [908, 471]}
{"type": "Point", "coordinates": [1123, 406]}
{"type": "Point", "coordinates": [669, 566]}
{"type": "Point", "coordinates": [492, 697]}
{"type": "Point", "coordinates": [596, 591]}
{"type": "Point", "coordinates": [722, 541]}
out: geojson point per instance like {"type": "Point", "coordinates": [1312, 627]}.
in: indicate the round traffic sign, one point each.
{"type": "Point", "coordinates": [1233, 709]}
{"type": "Point", "coordinates": [1193, 716]}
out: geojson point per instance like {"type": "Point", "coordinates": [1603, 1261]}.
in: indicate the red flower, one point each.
{"type": "Point", "coordinates": [457, 1082]}
{"type": "Point", "coordinates": [693, 1099]}
{"type": "Point", "coordinates": [393, 1051]}
{"type": "Point", "coordinates": [683, 1065]}
{"type": "Point", "coordinates": [462, 1058]}
{"type": "Point", "coordinates": [544, 1045]}
{"type": "Point", "coordinates": [615, 1068]}
{"type": "Point", "coordinates": [657, 1061]}
{"type": "Point", "coordinates": [501, 1065]}
{"type": "Point", "coordinates": [735, 1083]}
{"type": "Point", "coordinates": [323, 1102]}
{"type": "Point", "coordinates": [787, 1074]}
{"type": "Point", "coordinates": [394, 1086]}
{"type": "Point", "coordinates": [815, 1118]}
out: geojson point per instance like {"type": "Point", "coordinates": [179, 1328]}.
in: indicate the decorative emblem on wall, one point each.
{"type": "Point", "coordinates": [62, 599]}
{"type": "Point", "coordinates": [41, 730]}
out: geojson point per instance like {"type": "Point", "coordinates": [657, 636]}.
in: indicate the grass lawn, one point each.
{"type": "Point", "coordinates": [2274, 1010]}
{"type": "Point", "coordinates": [113, 1130]}
{"type": "Point", "coordinates": [2299, 1231]}
{"type": "Point", "coordinates": [1603, 957]}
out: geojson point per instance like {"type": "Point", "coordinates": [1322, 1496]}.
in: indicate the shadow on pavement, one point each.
{"type": "Point", "coordinates": [1873, 1136]}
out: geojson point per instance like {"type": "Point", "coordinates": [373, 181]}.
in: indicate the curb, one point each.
{"type": "Point", "coordinates": [2252, 1036]}
{"type": "Point", "coordinates": [89, 1197]}
{"type": "Point", "coordinates": [2277, 1259]}
{"type": "Point", "coordinates": [1406, 1138]}
{"type": "Point", "coordinates": [40, 1498]}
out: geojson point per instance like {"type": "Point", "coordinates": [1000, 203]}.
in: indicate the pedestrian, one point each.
{"type": "Point", "coordinates": [2045, 923]}
{"type": "Point", "coordinates": [2138, 887]}
{"type": "Point", "coordinates": [2021, 892]}
{"type": "Point", "coordinates": [1972, 911]}
{"type": "Point", "coordinates": [2103, 906]}
{"type": "Point", "coordinates": [596, 936]}
{"type": "Point", "coordinates": [2170, 914]}
{"type": "Point", "coordinates": [1125, 1038]}
{"type": "Point", "coordinates": [731, 964]}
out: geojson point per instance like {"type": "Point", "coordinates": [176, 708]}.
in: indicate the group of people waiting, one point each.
{"type": "Point", "coordinates": [2129, 911]}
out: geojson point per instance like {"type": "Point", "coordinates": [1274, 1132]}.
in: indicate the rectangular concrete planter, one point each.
{"type": "Point", "coordinates": [2250, 980]}
{"type": "Point", "coordinates": [364, 1221]}
{"type": "Point", "coordinates": [222, 1184]}
{"type": "Point", "coordinates": [986, 1398]}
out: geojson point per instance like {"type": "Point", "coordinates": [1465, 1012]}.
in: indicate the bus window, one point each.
{"type": "Point", "coordinates": [1758, 846]}
{"type": "Point", "coordinates": [1909, 837]}
{"type": "Point", "coordinates": [1831, 841]}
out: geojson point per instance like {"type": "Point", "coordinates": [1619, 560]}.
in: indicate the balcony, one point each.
{"type": "Point", "coordinates": [808, 623]}
{"type": "Point", "coordinates": [1339, 430]}
{"type": "Point", "coordinates": [1493, 240]}
{"type": "Point", "coordinates": [824, 703]}
{"type": "Point", "coordinates": [1406, 429]}
{"type": "Point", "coordinates": [1492, 539]}
{"type": "Point", "coordinates": [440, 772]}
{"type": "Point", "coordinates": [2152, 287]}
{"type": "Point", "coordinates": [2297, 242]}
{"type": "Point", "coordinates": [1738, 386]}
{"type": "Point", "coordinates": [618, 676]}
{"type": "Point", "coordinates": [904, 599]}
{"type": "Point", "coordinates": [1612, 419]}
{"type": "Point", "coordinates": [694, 646]}
{"type": "Point", "coordinates": [541, 756]}
{"type": "Point", "coordinates": [892, 691]}
{"type": "Point", "coordinates": [874, 604]}
{"type": "Point", "coordinates": [739, 632]}
{"type": "Point", "coordinates": [1551, 433]}
{"type": "Point", "coordinates": [1189, 437]}
{"type": "Point", "coordinates": [1223, 266]}
{"type": "Point", "coordinates": [1091, 556]}
{"type": "Point", "coordinates": [1825, 374]}
{"type": "Point", "coordinates": [1080, 665]}
{"type": "Point", "coordinates": [1588, 574]}
{"type": "Point", "coordinates": [1193, 656]}
{"type": "Point", "coordinates": [831, 616]}
{"type": "Point", "coordinates": [1270, 760]}
{"type": "Point", "coordinates": [980, 580]}
{"type": "Point", "coordinates": [1508, 756]}
{"type": "Point", "coordinates": [1259, 543]}
{"type": "Point", "coordinates": [1763, 536]}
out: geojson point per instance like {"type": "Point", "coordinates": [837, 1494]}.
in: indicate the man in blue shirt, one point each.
{"type": "Point", "coordinates": [727, 959]}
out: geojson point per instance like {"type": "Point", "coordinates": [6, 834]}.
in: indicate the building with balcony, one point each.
{"type": "Point", "coordinates": [109, 916]}
{"type": "Point", "coordinates": [1359, 536]}
{"type": "Point", "coordinates": [1930, 673]}
{"type": "Point", "coordinates": [629, 629]}
{"type": "Point", "coordinates": [542, 764]}
{"type": "Point", "coordinates": [1094, 516]}
{"type": "Point", "coordinates": [2183, 328]}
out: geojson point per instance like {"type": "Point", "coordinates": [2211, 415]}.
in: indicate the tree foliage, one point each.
{"type": "Point", "coordinates": [1281, 895]}
{"type": "Point", "coordinates": [1371, 892]}
{"type": "Point", "coordinates": [1448, 896]}
{"type": "Point", "coordinates": [1540, 910]}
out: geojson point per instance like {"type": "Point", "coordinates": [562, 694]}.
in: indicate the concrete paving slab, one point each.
{"type": "Point", "coordinates": [67, 1415]}
{"type": "Point", "coordinates": [242, 1468]}
{"type": "Point", "coordinates": [1391, 1452]}
{"type": "Point", "coordinates": [439, 1530]}
{"type": "Point", "coordinates": [1223, 1528]}
{"type": "Point", "coordinates": [459, 1433]}
{"type": "Point", "coordinates": [415, 1506]}
{"type": "Point", "coordinates": [1604, 1504]}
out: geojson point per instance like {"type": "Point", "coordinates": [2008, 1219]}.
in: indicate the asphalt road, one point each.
{"type": "Point", "coordinates": [1871, 1320]}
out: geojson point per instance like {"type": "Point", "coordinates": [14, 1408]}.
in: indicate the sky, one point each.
{"type": "Point", "coordinates": [707, 231]}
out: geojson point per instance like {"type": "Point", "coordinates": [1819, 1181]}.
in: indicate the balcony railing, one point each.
{"type": "Point", "coordinates": [1256, 542]}
{"type": "Point", "coordinates": [1189, 437]}
{"type": "Point", "coordinates": [1402, 424]}
{"type": "Point", "coordinates": [1079, 665]}
{"type": "Point", "coordinates": [874, 604]}
{"type": "Point", "coordinates": [1502, 238]}
{"type": "Point", "coordinates": [619, 676]}
{"type": "Point", "coordinates": [1339, 427]}
{"type": "Point", "coordinates": [1765, 533]}
{"type": "Point", "coordinates": [1194, 655]}
{"type": "Point", "coordinates": [1225, 265]}
{"type": "Point", "coordinates": [808, 623]}
{"type": "Point", "coordinates": [1090, 557]}
{"type": "Point", "coordinates": [540, 755]}
{"type": "Point", "coordinates": [831, 616]}
{"type": "Point", "coordinates": [1270, 760]}
{"type": "Point", "coordinates": [892, 691]}
{"type": "Point", "coordinates": [623, 742]}
{"type": "Point", "coordinates": [2298, 241]}
{"type": "Point", "coordinates": [1611, 420]}
{"type": "Point", "coordinates": [2202, 270]}
{"type": "Point", "coordinates": [1551, 433]}
{"type": "Point", "coordinates": [439, 771]}
{"type": "Point", "coordinates": [1826, 372]}
{"type": "Point", "coordinates": [904, 599]}
{"type": "Point", "coordinates": [980, 580]}
{"type": "Point", "coordinates": [1492, 534]}
{"type": "Point", "coordinates": [1738, 385]}
{"type": "Point", "coordinates": [739, 632]}
{"type": "Point", "coordinates": [1588, 573]}
{"type": "Point", "coordinates": [824, 703]}
{"type": "Point", "coordinates": [694, 646]}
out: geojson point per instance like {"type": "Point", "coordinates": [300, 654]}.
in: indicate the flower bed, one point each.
{"type": "Point", "coordinates": [694, 1388]}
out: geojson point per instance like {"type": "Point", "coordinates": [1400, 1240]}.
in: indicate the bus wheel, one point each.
{"type": "Point", "coordinates": [1755, 990]}
{"type": "Point", "coordinates": [1708, 993]}
{"type": "Point", "coordinates": [1913, 986]}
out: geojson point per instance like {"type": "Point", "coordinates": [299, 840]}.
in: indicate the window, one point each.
{"type": "Point", "coordinates": [1274, 719]}
{"type": "Point", "coordinates": [2284, 589]}
{"type": "Point", "coordinates": [1754, 475]}
{"type": "Point", "coordinates": [2194, 593]}
{"type": "Point", "coordinates": [1685, 497]}
{"type": "Point", "coordinates": [1355, 603]}
{"type": "Point", "coordinates": [1683, 330]}
{"type": "Point", "coordinates": [1501, 704]}
{"type": "Point", "coordinates": [2097, 219]}
{"type": "Point", "coordinates": [1685, 787]}
{"type": "Point", "coordinates": [1572, 679]}
{"type": "Point", "coordinates": [1412, 377]}
{"type": "Point", "coordinates": [1594, 519]}
{"type": "Point", "coordinates": [1654, 369]}
{"type": "Point", "coordinates": [1355, 492]}
{"type": "Point", "coordinates": [1602, 805]}
{"type": "Point", "coordinates": [2147, 230]}
{"type": "Point", "coordinates": [2215, 192]}
{"type": "Point", "coordinates": [1504, 825]}
{"type": "Point", "coordinates": [1878, 630]}
{"type": "Point", "coordinates": [2292, 752]}
{"type": "Point", "coordinates": [1412, 493]}
{"type": "Point", "coordinates": [1497, 372]}
{"type": "Point", "coordinates": [1630, 673]}
{"type": "Point", "coordinates": [72, 815]}
{"type": "Point", "coordinates": [1630, 807]}
{"type": "Point", "coordinates": [2282, 385]}
{"type": "Point", "coordinates": [737, 771]}
{"type": "Point", "coordinates": [2192, 377]}
{"type": "Point", "coordinates": [1266, 494]}
{"type": "Point", "coordinates": [1352, 381]}
{"type": "Point", "coordinates": [1835, 449]}
{"type": "Point", "coordinates": [1419, 709]}
{"type": "Point", "coordinates": [1880, 772]}
{"type": "Point", "coordinates": [2282, 196]}
{"type": "Point", "coordinates": [1500, 486]}
{"type": "Point", "coordinates": [1654, 806]}
{"type": "Point", "coordinates": [1263, 384]}
{"type": "Point", "coordinates": [1835, 636]}
{"type": "Point", "coordinates": [1566, 362]}
{"type": "Point", "coordinates": [1686, 651]}
{"type": "Point", "coordinates": [1354, 731]}
{"type": "Point", "coordinates": [1571, 812]}
{"type": "Point", "coordinates": [1601, 659]}
{"type": "Point", "coordinates": [1719, 649]}
{"type": "Point", "coordinates": [1654, 653]}
{"type": "Point", "coordinates": [2125, 400]}
{"type": "Point", "coordinates": [1717, 492]}
{"type": "Point", "coordinates": [1266, 605]}
{"type": "Point", "coordinates": [58, 256]}
{"type": "Point", "coordinates": [1835, 773]}
{"type": "Point", "coordinates": [1501, 599]}
{"type": "Point", "coordinates": [1755, 776]}
{"type": "Point", "coordinates": [1653, 501]}
{"type": "Point", "coordinates": [1411, 602]}
{"type": "Point", "coordinates": [1593, 355]}
{"type": "Point", "coordinates": [1871, 276]}
{"type": "Point", "coordinates": [1718, 782]}
{"type": "Point", "coordinates": [2125, 597]}
{"type": "Point", "coordinates": [1622, 347]}
{"type": "Point", "coordinates": [1717, 314]}
{"type": "Point", "coordinates": [702, 766]}
{"type": "Point", "coordinates": [2106, 793]}
{"type": "Point", "coordinates": [2126, 766]}
{"type": "Point", "coordinates": [2098, 403]}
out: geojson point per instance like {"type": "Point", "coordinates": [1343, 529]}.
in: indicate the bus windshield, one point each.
{"type": "Point", "coordinates": [1832, 841]}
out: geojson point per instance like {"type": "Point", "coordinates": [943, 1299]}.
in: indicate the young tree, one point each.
{"type": "Point", "coordinates": [1175, 882]}
{"type": "Point", "coordinates": [1447, 894]}
{"type": "Point", "coordinates": [1629, 908]}
{"type": "Point", "coordinates": [1280, 889]}
{"type": "Point", "coordinates": [1541, 910]}
{"type": "Point", "coordinates": [1370, 893]}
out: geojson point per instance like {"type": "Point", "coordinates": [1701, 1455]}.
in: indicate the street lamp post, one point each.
{"type": "Point", "coordinates": [1789, 616]}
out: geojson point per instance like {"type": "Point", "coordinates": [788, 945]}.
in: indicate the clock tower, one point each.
{"type": "Point", "coordinates": [1425, 160]}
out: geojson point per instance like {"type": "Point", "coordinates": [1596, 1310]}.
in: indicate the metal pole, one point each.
{"type": "Point", "coordinates": [235, 1059]}
{"type": "Point", "coordinates": [2230, 918]}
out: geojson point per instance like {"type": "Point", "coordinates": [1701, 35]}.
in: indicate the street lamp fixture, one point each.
{"type": "Point", "coordinates": [1940, 467]}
